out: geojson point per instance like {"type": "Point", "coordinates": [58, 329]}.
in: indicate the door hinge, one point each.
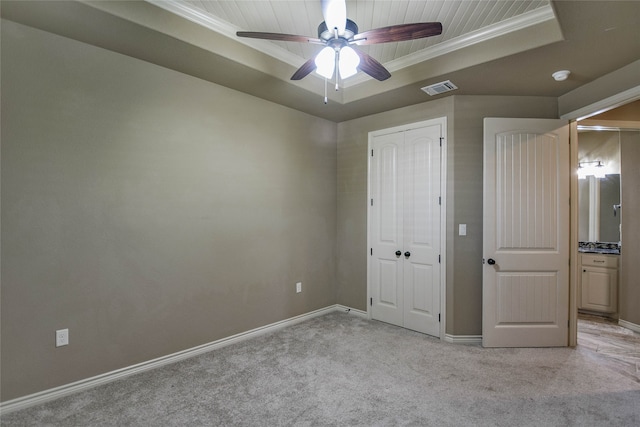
{"type": "Point", "coordinates": [371, 301]}
{"type": "Point", "coordinates": [371, 202]}
{"type": "Point", "coordinates": [438, 317]}
{"type": "Point", "coordinates": [439, 259]}
{"type": "Point", "coordinates": [371, 153]}
{"type": "Point", "coordinates": [441, 139]}
{"type": "Point", "coordinates": [371, 251]}
{"type": "Point", "coordinates": [439, 200]}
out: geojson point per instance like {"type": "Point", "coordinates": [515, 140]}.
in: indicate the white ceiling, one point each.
{"type": "Point", "coordinates": [488, 47]}
{"type": "Point", "coordinates": [464, 22]}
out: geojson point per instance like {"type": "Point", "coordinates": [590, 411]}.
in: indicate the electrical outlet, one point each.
{"type": "Point", "coordinates": [62, 337]}
{"type": "Point", "coordinates": [298, 287]}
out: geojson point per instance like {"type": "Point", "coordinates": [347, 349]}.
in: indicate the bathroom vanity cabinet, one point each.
{"type": "Point", "coordinates": [599, 282]}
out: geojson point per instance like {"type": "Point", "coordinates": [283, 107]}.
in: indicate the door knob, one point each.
{"type": "Point", "coordinates": [398, 253]}
{"type": "Point", "coordinates": [491, 261]}
{"type": "Point", "coordinates": [407, 254]}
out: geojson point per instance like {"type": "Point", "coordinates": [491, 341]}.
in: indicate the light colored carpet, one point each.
{"type": "Point", "coordinates": [340, 369]}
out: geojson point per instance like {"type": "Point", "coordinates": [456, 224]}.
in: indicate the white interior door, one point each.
{"type": "Point", "coordinates": [422, 230]}
{"type": "Point", "coordinates": [386, 222]}
{"type": "Point", "coordinates": [526, 233]}
{"type": "Point", "coordinates": [404, 222]}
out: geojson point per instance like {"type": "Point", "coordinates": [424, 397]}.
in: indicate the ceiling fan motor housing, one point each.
{"type": "Point", "coordinates": [351, 29]}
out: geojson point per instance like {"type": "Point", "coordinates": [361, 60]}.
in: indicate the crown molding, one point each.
{"type": "Point", "coordinates": [525, 20]}
{"type": "Point", "coordinates": [226, 29]}
{"type": "Point", "coordinates": [528, 19]}
{"type": "Point", "coordinates": [207, 20]}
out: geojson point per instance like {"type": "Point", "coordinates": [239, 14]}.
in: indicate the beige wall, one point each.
{"type": "Point", "coordinates": [622, 80]}
{"type": "Point", "coordinates": [148, 211]}
{"type": "Point", "coordinates": [629, 297]}
{"type": "Point", "coordinates": [464, 196]}
{"type": "Point", "coordinates": [351, 243]}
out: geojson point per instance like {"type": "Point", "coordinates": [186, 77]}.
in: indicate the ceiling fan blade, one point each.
{"type": "Point", "coordinates": [278, 37]}
{"type": "Point", "coordinates": [306, 69]}
{"type": "Point", "coordinates": [335, 14]}
{"type": "Point", "coordinates": [372, 67]}
{"type": "Point", "coordinates": [399, 33]}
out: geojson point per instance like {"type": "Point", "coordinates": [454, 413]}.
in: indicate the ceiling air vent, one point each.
{"type": "Point", "coordinates": [438, 88]}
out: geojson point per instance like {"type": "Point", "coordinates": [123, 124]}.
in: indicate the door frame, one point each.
{"type": "Point", "coordinates": [582, 113]}
{"type": "Point", "coordinates": [442, 121]}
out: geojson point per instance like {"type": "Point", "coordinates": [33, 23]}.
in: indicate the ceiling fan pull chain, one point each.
{"type": "Point", "coordinates": [326, 100]}
{"type": "Point", "coordinates": [336, 62]}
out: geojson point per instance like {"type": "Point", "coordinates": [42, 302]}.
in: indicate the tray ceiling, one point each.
{"type": "Point", "coordinates": [488, 47]}
{"type": "Point", "coordinates": [464, 23]}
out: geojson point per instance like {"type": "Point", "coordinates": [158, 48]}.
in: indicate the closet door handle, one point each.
{"type": "Point", "coordinates": [398, 253]}
{"type": "Point", "coordinates": [407, 254]}
{"type": "Point", "coordinates": [491, 261]}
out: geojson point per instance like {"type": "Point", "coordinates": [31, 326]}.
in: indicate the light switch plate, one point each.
{"type": "Point", "coordinates": [462, 229]}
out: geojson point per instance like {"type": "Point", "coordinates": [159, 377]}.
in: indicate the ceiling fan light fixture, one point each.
{"type": "Point", "coordinates": [348, 62]}
{"type": "Point", "coordinates": [337, 32]}
{"type": "Point", "coordinates": [326, 62]}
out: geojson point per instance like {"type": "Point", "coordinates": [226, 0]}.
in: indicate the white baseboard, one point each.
{"type": "Point", "coordinates": [463, 339]}
{"type": "Point", "coordinates": [354, 311]}
{"type": "Point", "coordinates": [629, 325]}
{"type": "Point", "coordinates": [75, 387]}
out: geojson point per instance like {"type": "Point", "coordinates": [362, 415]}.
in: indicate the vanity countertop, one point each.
{"type": "Point", "coordinates": [599, 248]}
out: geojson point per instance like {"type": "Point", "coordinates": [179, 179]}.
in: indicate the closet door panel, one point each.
{"type": "Point", "coordinates": [421, 221]}
{"type": "Point", "coordinates": [386, 189]}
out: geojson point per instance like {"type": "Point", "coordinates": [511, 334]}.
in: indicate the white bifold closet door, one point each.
{"type": "Point", "coordinates": [404, 228]}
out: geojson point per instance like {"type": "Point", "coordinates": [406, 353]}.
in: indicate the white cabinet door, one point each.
{"type": "Point", "coordinates": [599, 289]}
{"type": "Point", "coordinates": [526, 233]}
{"type": "Point", "coordinates": [404, 228]}
{"type": "Point", "coordinates": [599, 283]}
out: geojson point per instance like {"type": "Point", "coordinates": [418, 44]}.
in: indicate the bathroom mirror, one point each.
{"type": "Point", "coordinates": [599, 206]}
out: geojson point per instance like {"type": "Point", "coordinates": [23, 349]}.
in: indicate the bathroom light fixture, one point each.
{"type": "Point", "coordinates": [561, 75]}
{"type": "Point", "coordinates": [589, 168]}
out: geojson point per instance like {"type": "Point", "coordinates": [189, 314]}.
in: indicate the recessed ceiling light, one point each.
{"type": "Point", "coordinates": [561, 75]}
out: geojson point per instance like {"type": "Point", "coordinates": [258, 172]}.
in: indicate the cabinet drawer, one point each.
{"type": "Point", "coordinates": [608, 261]}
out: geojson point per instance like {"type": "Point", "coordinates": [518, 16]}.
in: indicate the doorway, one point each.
{"type": "Point", "coordinates": [616, 297]}
{"type": "Point", "coordinates": [619, 111]}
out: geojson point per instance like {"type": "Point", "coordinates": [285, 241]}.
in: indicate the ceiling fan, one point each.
{"type": "Point", "coordinates": [338, 33]}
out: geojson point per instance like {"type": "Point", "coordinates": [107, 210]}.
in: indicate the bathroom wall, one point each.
{"type": "Point", "coordinates": [629, 275]}
{"type": "Point", "coordinates": [629, 295]}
